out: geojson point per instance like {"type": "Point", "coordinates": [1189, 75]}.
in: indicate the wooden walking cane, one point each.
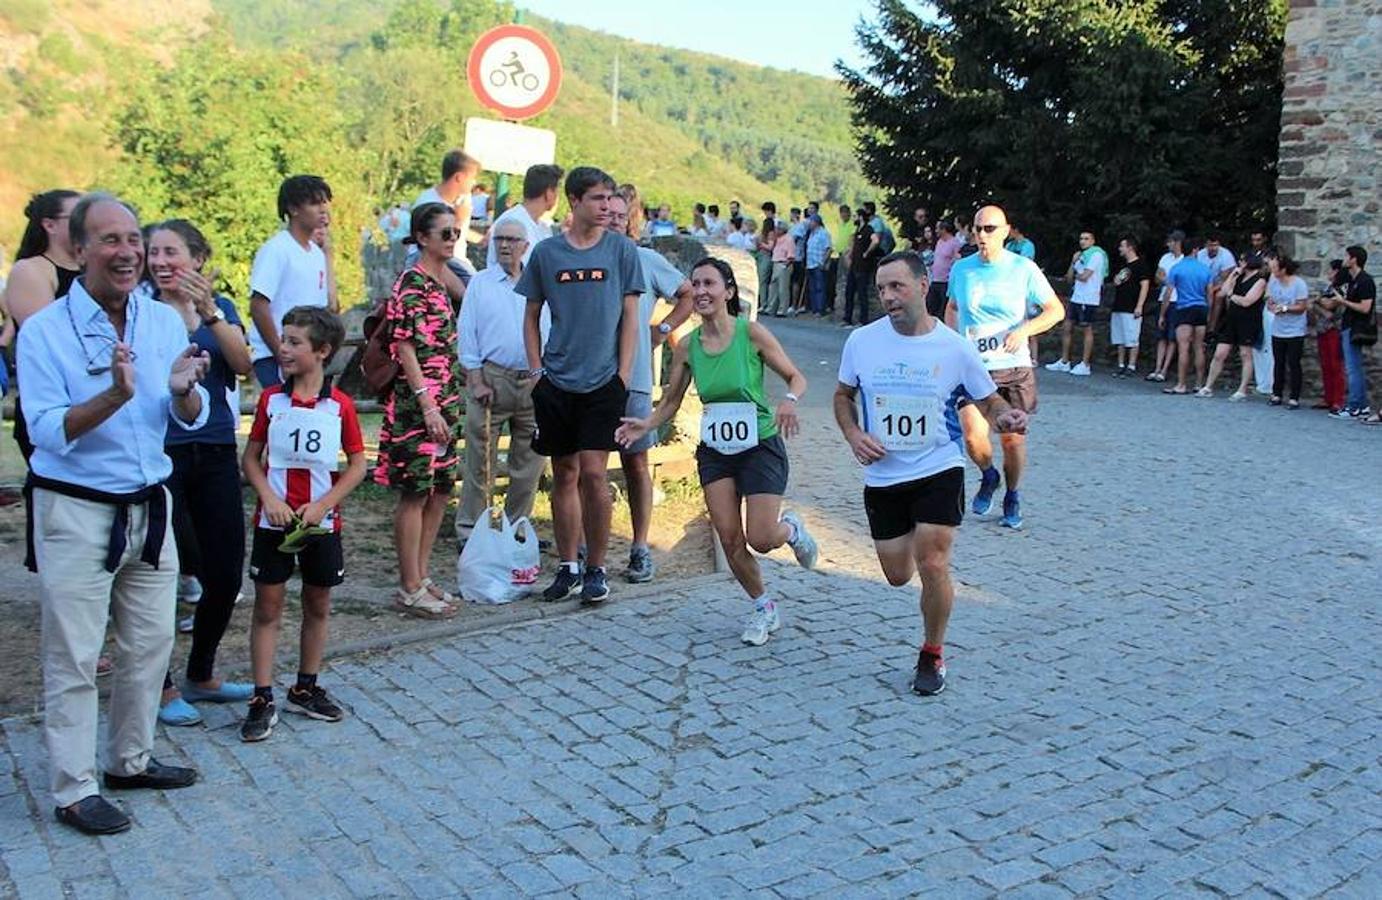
{"type": "Point", "coordinates": [490, 449]}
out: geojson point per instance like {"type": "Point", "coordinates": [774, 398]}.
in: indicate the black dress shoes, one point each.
{"type": "Point", "coordinates": [155, 776]}
{"type": "Point", "coordinates": [94, 815]}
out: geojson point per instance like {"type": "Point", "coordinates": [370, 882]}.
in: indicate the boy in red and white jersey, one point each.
{"type": "Point", "coordinates": [300, 429]}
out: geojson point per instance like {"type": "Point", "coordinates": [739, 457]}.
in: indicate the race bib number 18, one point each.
{"type": "Point", "coordinates": [730, 427]}
{"type": "Point", "coordinates": [902, 422]}
{"type": "Point", "coordinates": [304, 439]}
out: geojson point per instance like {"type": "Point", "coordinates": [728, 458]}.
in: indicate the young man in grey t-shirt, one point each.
{"type": "Point", "coordinates": [590, 280]}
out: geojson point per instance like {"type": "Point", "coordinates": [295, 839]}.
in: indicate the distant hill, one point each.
{"type": "Point", "coordinates": [199, 108]}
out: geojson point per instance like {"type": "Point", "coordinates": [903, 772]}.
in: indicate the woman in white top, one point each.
{"type": "Point", "coordinates": [1287, 301]}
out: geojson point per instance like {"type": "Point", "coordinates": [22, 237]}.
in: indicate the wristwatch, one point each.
{"type": "Point", "coordinates": [791, 396]}
{"type": "Point", "coordinates": [218, 316]}
{"type": "Point", "coordinates": [664, 328]}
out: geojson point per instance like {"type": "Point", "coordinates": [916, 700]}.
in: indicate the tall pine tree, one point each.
{"type": "Point", "coordinates": [1125, 116]}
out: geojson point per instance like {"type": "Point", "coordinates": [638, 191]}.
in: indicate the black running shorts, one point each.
{"type": "Point", "coordinates": [758, 470]}
{"type": "Point", "coordinates": [568, 422]}
{"type": "Point", "coordinates": [322, 560]}
{"type": "Point", "coordinates": [895, 510]}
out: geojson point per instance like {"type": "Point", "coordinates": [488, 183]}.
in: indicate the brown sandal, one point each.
{"type": "Point", "coordinates": [422, 604]}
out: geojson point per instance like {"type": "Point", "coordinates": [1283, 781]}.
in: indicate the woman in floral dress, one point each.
{"type": "Point", "coordinates": [417, 442]}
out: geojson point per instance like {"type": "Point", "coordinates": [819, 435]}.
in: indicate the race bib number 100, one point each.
{"type": "Point", "coordinates": [730, 427]}
{"type": "Point", "coordinates": [304, 439]}
{"type": "Point", "coordinates": [902, 422]}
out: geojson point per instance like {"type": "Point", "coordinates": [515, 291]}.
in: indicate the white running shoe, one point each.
{"type": "Point", "coordinates": [761, 625]}
{"type": "Point", "coordinates": [1081, 369]}
{"type": "Point", "coordinates": [1204, 392]}
{"type": "Point", "coordinates": [803, 545]}
{"type": "Point", "coordinates": [189, 589]}
{"type": "Point", "coordinates": [1237, 397]}
{"type": "Point", "coordinates": [1059, 365]}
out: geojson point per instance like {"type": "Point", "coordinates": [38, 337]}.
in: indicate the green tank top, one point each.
{"type": "Point", "coordinates": [734, 375]}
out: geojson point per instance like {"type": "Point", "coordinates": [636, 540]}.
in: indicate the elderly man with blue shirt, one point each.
{"type": "Point", "coordinates": [104, 370]}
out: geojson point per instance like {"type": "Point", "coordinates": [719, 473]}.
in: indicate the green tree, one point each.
{"type": "Point", "coordinates": [1074, 114]}
{"type": "Point", "coordinates": [211, 138]}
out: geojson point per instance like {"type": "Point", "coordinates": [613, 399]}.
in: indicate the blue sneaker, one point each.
{"type": "Point", "coordinates": [228, 692]}
{"type": "Point", "coordinates": [1012, 511]}
{"type": "Point", "coordinates": [983, 501]}
{"type": "Point", "coordinates": [179, 712]}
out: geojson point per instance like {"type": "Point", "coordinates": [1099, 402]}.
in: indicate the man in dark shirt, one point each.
{"type": "Point", "coordinates": [1359, 302]}
{"type": "Point", "coordinates": [1132, 283]}
{"type": "Point", "coordinates": [859, 280]}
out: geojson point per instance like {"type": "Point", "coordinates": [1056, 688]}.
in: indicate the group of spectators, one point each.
{"type": "Point", "coordinates": [1205, 302]}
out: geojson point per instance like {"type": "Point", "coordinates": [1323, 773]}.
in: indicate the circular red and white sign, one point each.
{"type": "Point", "coordinates": [514, 70]}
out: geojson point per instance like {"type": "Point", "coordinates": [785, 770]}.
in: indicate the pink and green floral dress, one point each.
{"type": "Point", "coordinates": [419, 311]}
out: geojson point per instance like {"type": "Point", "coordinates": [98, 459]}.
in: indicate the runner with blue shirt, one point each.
{"type": "Point", "coordinates": [990, 296]}
{"type": "Point", "coordinates": [908, 374]}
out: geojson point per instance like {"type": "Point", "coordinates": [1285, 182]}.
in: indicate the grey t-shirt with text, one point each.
{"type": "Point", "coordinates": [584, 290]}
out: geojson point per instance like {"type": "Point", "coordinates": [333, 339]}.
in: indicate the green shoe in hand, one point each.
{"type": "Point", "coordinates": [300, 536]}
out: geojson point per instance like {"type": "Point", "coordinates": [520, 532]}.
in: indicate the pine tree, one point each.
{"type": "Point", "coordinates": [1124, 116]}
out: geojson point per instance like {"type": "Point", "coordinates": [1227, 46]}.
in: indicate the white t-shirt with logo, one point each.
{"type": "Point", "coordinates": [908, 388]}
{"type": "Point", "coordinates": [1088, 292]}
{"type": "Point", "coordinates": [287, 275]}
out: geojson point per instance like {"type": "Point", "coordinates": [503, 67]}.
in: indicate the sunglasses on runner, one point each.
{"type": "Point", "coordinates": [987, 229]}
{"type": "Point", "coordinates": [449, 234]}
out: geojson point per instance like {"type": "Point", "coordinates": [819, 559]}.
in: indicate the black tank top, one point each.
{"type": "Point", "coordinates": [65, 278]}
{"type": "Point", "coordinates": [1244, 287]}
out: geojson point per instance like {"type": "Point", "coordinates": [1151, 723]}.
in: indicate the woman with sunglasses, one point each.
{"type": "Point", "coordinates": [417, 441]}
{"type": "Point", "coordinates": [208, 511]}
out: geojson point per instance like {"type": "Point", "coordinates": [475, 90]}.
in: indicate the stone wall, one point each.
{"type": "Point", "coordinates": [1330, 182]}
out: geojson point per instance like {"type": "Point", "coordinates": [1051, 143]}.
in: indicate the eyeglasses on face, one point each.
{"type": "Point", "coordinates": [507, 239]}
{"type": "Point", "coordinates": [448, 234]}
{"type": "Point", "coordinates": [987, 229]}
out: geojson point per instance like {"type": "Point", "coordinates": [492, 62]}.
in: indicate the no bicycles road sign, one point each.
{"type": "Point", "coordinates": [514, 70]}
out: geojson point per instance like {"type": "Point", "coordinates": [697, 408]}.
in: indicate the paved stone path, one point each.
{"type": "Point", "coordinates": [1167, 685]}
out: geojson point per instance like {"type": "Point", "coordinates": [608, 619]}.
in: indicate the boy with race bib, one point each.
{"type": "Point", "coordinates": [741, 460]}
{"type": "Point", "coordinates": [300, 428]}
{"type": "Point", "coordinates": [908, 373]}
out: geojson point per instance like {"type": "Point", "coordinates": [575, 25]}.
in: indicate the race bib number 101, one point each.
{"type": "Point", "coordinates": [730, 427]}
{"type": "Point", "coordinates": [902, 422]}
{"type": "Point", "coordinates": [304, 439]}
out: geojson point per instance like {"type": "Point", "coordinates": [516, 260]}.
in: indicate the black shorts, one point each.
{"type": "Point", "coordinates": [895, 510]}
{"type": "Point", "coordinates": [761, 470]}
{"type": "Point", "coordinates": [1194, 316]}
{"type": "Point", "coordinates": [322, 561]}
{"type": "Point", "coordinates": [1082, 314]}
{"type": "Point", "coordinates": [568, 422]}
{"type": "Point", "coordinates": [1241, 325]}
{"type": "Point", "coordinates": [1018, 386]}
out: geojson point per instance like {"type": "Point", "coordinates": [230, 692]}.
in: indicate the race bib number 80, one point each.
{"type": "Point", "coordinates": [730, 428]}
{"type": "Point", "coordinates": [902, 422]}
{"type": "Point", "coordinates": [304, 439]}
{"type": "Point", "coordinates": [988, 340]}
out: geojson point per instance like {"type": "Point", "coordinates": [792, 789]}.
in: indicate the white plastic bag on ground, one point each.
{"type": "Point", "coordinates": [499, 563]}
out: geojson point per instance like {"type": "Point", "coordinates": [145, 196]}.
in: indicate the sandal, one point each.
{"type": "Point", "coordinates": [422, 604]}
{"type": "Point", "coordinates": [1175, 390]}
{"type": "Point", "coordinates": [444, 596]}
{"type": "Point", "coordinates": [1374, 419]}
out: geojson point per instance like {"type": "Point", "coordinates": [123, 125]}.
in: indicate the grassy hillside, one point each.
{"type": "Point", "coordinates": [200, 108]}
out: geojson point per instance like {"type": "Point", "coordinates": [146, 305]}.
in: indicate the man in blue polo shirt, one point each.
{"type": "Point", "coordinates": [990, 294]}
{"type": "Point", "coordinates": [1189, 315]}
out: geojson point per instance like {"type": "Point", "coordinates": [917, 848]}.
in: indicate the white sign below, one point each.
{"type": "Point", "coordinates": [507, 147]}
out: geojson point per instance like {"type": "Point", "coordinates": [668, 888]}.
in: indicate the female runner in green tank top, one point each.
{"type": "Point", "coordinates": [741, 460]}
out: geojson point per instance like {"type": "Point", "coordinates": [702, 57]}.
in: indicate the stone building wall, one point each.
{"type": "Point", "coordinates": [1330, 182]}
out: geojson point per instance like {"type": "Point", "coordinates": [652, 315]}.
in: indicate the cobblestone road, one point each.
{"type": "Point", "coordinates": [1167, 685]}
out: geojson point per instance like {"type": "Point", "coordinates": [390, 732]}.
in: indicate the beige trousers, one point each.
{"type": "Point", "coordinates": [780, 291]}
{"type": "Point", "coordinates": [78, 595]}
{"type": "Point", "coordinates": [511, 404]}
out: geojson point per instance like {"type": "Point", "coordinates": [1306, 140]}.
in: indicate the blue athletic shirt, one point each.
{"type": "Point", "coordinates": [908, 387]}
{"type": "Point", "coordinates": [221, 423]}
{"type": "Point", "coordinates": [993, 298]}
{"type": "Point", "coordinates": [1190, 278]}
